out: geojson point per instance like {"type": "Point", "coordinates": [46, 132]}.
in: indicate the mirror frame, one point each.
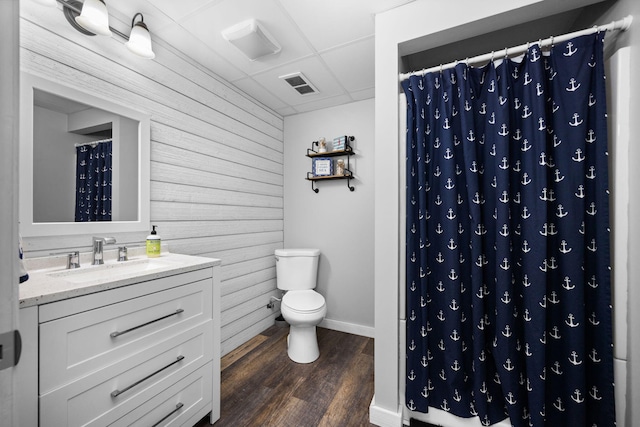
{"type": "Point", "coordinates": [30, 82]}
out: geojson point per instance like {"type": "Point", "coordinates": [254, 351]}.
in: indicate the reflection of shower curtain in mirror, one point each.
{"type": "Point", "coordinates": [93, 182]}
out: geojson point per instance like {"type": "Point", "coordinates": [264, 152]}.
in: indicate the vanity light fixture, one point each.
{"type": "Point", "coordinates": [252, 39]}
{"type": "Point", "coordinates": [140, 39]}
{"type": "Point", "coordinates": [91, 17]}
{"type": "Point", "coordinates": [94, 17]}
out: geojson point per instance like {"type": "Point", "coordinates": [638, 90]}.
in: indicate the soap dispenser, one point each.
{"type": "Point", "coordinates": [153, 243]}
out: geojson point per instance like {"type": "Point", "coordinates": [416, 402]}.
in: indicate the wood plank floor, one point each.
{"type": "Point", "coordinates": [261, 386]}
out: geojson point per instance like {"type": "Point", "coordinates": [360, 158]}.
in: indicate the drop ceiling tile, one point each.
{"type": "Point", "coordinates": [363, 94]}
{"type": "Point", "coordinates": [330, 23]}
{"type": "Point", "coordinates": [124, 10]}
{"type": "Point", "coordinates": [185, 42]}
{"type": "Point", "coordinates": [313, 69]}
{"type": "Point", "coordinates": [208, 24]}
{"type": "Point", "coordinates": [179, 9]}
{"type": "Point", "coordinates": [323, 103]}
{"type": "Point", "coordinates": [286, 111]}
{"type": "Point", "coordinates": [353, 64]}
{"type": "Point", "coordinates": [259, 93]}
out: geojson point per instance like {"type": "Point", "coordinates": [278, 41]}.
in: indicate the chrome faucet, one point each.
{"type": "Point", "coordinates": [123, 254]}
{"type": "Point", "coordinates": [73, 260]}
{"type": "Point", "coordinates": [98, 245]}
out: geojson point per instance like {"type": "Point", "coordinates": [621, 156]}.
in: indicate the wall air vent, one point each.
{"type": "Point", "coordinates": [300, 83]}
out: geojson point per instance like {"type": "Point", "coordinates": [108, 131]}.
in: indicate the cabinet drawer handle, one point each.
{"type": "Point", "coordinates": [118, 333]}
{"type": "Point", "coordinates": [178, 407]}
{"type": "Point", "coordinates": [116, 393]}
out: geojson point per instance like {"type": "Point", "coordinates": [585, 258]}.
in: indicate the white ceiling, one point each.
{"type": "Point", "coordinates": [330, 41]}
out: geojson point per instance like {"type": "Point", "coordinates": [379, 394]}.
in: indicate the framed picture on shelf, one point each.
{"type": "Point", "coordinates": [322, 166]}
{"type": "Point", "coordinates": [339, 143]}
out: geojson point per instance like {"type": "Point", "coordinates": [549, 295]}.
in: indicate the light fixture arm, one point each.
{"type": "Point", "coordinates": [133, 21]}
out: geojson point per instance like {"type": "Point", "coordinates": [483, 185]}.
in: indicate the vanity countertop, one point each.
{"type": "Point", "coordinates": [50, 281]}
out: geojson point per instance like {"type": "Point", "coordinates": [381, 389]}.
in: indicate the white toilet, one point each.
{"type": "Point", "coordinates": [302, 307]}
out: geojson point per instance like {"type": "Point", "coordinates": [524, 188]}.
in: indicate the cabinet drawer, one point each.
{"type": "Point", "coordinates": [74, 346]}
{"type": "Point", "coordinates": [189, 398]}
{"type": "Point", "coordinates": [104, 396]}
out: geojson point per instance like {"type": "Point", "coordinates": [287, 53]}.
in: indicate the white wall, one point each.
{"type": "Point", "coordinates": [419, 26]}
{"type": "Point", "coordinates": [216, 158]}
{"type": "Point", "coordinates": [335, 220]}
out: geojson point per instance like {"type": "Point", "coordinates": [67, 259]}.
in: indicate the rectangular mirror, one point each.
{"type": "Point", "coordinates": [84, 162]}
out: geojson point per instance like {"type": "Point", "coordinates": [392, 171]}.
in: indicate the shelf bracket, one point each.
{"type": "Point", "coordinates": [349, 186]}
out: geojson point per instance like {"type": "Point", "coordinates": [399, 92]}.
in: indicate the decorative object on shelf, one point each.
{"type": "Point", "coordinates": [339, 143]}
{"type": "Point", "coordinates": [342, 171]}
{"type": "Point", "coordinates": [322, 146]}
{"type": "Point", "coordinates": [322, 166]}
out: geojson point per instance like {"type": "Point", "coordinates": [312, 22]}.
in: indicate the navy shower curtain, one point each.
{"type": "Point", "coordinates": [508, 278]}
{"type": "Point", "coordinates": [93, 182]}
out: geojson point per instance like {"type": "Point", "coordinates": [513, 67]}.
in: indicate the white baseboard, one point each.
{"type": "Point", "coordinates": [445, 419]}
{"type": "Point", "coordinates": [350, 328]}
{"type": "Point", "coordinates": [620, 377]}
{"type": "Point", "coordinates": [384, 417]}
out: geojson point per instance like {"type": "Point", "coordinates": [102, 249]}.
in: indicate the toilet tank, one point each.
{"type": "Point", "coordinates": [296, 269]}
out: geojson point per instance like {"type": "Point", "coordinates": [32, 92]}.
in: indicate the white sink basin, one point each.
{"type": "Point", "coordinates": [112, 271]}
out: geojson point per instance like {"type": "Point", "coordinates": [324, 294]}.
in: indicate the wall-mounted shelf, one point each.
{"type": "Point", "coordinates": [348, 174]}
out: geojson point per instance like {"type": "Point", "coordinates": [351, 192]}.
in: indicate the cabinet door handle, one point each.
{"type": "Point", "coordinates": [118, 333]}
{"type": "Point", "coordinates": [116, 392]}
{"type": "Point", "coordinates": [178, 407]}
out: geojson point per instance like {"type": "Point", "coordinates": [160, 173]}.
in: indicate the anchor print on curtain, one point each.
{"type": "Point", "coordinates": [93, 182]}
{"type": "Point", "coordinates": [508, 282]}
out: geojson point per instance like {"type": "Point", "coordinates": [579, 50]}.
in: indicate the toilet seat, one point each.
{"type": "Point", "coordinates": [303, 302]}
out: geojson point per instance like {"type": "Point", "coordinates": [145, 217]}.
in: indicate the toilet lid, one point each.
{"type": "Point", "coordinates": [303, 300]}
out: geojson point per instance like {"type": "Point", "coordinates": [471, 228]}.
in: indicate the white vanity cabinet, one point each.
{"type": "Point", "coordinates": [141, 354]}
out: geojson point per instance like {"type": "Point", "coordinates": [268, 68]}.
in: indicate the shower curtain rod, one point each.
{"type": "Point", "coordinates": [80, 144]}
{"type": "Point", "coordinates": [622, 24]}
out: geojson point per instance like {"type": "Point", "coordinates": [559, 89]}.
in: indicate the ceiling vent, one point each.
{"type": "Point", "coordinates": [300, 83]}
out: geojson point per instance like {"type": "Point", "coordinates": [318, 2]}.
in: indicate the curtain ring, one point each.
{"type": "Point", "coordinates": [552, 37]}
{"type": "Point", "coordinates": [440, 68]}
{"type": "Point", "coordinates": [492, 52]}
{"type": "Point", "coordinates": [506, 53]}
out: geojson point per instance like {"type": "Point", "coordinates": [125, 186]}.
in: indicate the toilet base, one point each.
{"type": "Point", "coordinates": [302, 344]}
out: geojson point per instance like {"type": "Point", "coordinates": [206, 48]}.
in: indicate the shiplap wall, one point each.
{"type": "Point", "coordinates": [216, 158]}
